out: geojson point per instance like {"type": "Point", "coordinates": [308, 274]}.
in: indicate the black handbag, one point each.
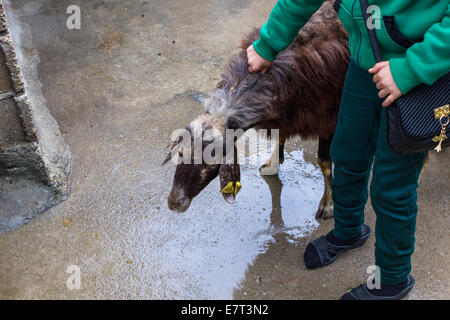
{"type": "Point", "coordinates": [417, 121]}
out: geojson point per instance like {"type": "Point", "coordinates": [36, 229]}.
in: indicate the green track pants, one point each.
{"type": "Point", "coordinates": [359, 142]}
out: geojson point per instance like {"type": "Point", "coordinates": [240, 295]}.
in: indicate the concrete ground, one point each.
{"type": "Point", "coordinates": [118, 88]}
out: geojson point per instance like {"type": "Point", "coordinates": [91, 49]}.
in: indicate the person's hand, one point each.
{"type": "Point", "coordinates": [385, 83]}
{"type": "Point", "coordinates": [256, 63]}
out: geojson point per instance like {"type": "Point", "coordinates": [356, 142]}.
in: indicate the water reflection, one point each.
{"type": "Point", "coordinates": [213, 248]}
{"type": "Point", "coordinates": [219, 242]}
{"type": "Point", "coordinates": [295, 193]}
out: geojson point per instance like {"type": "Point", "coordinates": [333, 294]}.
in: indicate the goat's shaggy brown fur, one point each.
{"type": "Point", "coordinates": [300, 93]}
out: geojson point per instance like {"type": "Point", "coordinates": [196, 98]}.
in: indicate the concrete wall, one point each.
{"type": "Point", "coordinates": [34, 158]}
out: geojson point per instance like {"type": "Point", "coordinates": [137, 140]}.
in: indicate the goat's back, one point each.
{"type": "Point", "coordinates": [305, 81]}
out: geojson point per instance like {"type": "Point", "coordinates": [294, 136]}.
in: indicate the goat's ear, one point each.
{"type": "Point", "coordinates": [171, 148]}
{"type": "Point", "coordinates": [230, 181]}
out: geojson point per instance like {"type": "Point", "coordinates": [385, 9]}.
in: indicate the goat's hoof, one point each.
{"type": "Point", "coordinates": [268, 170]}
{"type": "Point", "coordinates": [325, 211]}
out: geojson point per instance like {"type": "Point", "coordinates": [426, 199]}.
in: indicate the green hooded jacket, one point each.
{"type": "Point", "coordinates": [414, 35]}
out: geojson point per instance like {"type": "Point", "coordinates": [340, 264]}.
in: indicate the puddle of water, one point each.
{"type": "Point", "coordinates": [205, 252]}
{"type": "Point", "coordinates": [291, 197]}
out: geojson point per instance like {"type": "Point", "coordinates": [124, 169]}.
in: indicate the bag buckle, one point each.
{"type": "Point", "coordinates": [442, 111]}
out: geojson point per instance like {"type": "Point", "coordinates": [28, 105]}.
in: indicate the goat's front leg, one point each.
{"type": "Point", "coordinates": [275, 186]}
{"type": "Point", "coordinates": [325, 210]}
{"type": "Point", "coordinates": [272, 166]}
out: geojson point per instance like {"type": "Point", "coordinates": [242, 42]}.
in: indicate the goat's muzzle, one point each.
{"type": "Point", "coordinates": [178, 202]}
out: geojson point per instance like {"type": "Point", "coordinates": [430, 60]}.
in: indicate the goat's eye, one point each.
{"type": "Point", "coordinates": [180, 152]}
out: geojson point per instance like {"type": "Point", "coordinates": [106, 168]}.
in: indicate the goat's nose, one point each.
{"type": "Point", "coordinates": [173, 204]}
{"type": "Point", "coordinates": [179, 205]}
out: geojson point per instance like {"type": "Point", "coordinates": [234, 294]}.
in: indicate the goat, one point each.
{"type": "Point", "coordinates": [299, 95]}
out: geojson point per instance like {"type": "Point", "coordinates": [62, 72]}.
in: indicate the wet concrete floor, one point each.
{"type": "Point", "coordinates": [118, 88]}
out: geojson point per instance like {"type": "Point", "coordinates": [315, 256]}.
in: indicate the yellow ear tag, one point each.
{"type": "Point", "coordinates": [228, 189]}
{"type": "Point", "coordinates": [237, 188]}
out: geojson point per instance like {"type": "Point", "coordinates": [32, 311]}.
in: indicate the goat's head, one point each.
{"type": "Point", "coordinates": [240, 102]}
{"type": "Point", "coordinates": [201, 157]}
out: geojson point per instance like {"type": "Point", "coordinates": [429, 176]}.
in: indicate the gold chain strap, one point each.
{"type": "Point", "coordinates": [443, 114]}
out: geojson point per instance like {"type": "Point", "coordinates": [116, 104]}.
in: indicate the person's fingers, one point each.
{"type": "Point", "coordinates": [253, 66]}
{"type": "Point", "coordinates": [258, 67]}
{"type": "Point", "coordinates": [377, 67]}
{"type": "Point", "coordinates": [250, 50]}
{"type": "Point", "coordinates": [379, 85]}
{"type": "Point", "coordinates": [375, 78]}
{"type": "Point", "coordinates": [383, 93]}
{"type": "Point", "coordinates": [256, 63]}
{"type": "Point", "coordinates": [389, 100]}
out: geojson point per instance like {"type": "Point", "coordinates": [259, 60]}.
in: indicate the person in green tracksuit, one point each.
{"type": "Point", "coordinates": [414, 37]}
